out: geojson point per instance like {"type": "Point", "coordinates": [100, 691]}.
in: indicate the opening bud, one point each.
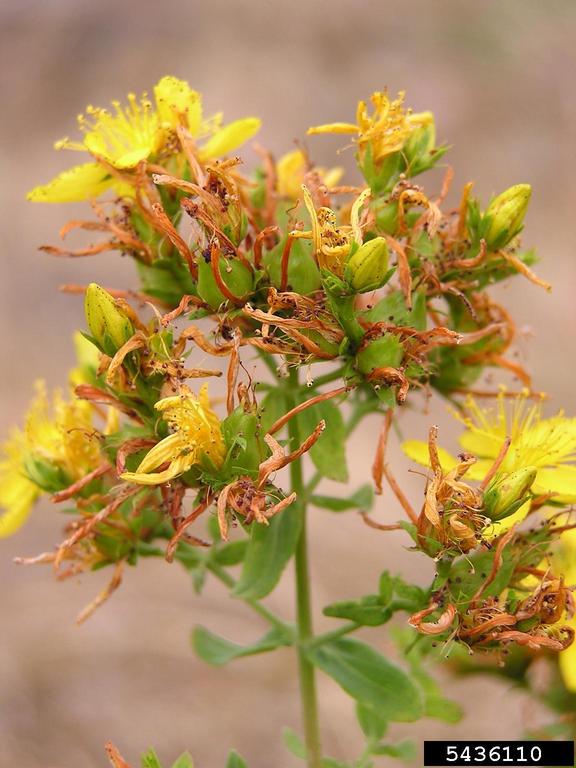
{"type": "Point", "coordinates": [507, 492]}
{"type": "Point", "coordinates": [109, 326]}
{"type": "Point", "coordinates": [504, 216]}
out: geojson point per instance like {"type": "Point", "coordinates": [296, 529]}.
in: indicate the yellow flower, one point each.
{"type": "Point", "coordinates": [386, 130]}
{"type": "Point", "coordinates": [125, 136]}
{"type": "Point", "coordinates": [57, 443]}
{"type": "Point", "coordinates": [17, 492]}
{"type": "Point", "coordinates": [62, 435]}
{"type": "Point", "coordinates": [331, 243]}
{"type": "Point", "coordinates": [290, 171]}
{"type": "Point", "coordinates": [121, 138]}
{"type": "Point", "coordinates": [195, 434]}
{"type": "Point", "coordinates": [548, 444]}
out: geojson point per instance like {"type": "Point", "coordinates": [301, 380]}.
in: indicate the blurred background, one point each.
{"type": "Point", "coordinates": [500, 78]}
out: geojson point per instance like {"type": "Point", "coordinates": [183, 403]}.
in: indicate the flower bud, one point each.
{"type": "Point", "coordinates": [109, 326]}
{"type": "Point", "coordinates": [504, 216]}
{"type": "Point", "coordinates": [507, 492]}
{"type": "Point", "coordinates": [367, 268]}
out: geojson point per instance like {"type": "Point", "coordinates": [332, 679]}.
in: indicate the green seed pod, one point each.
{"type": "Point", "coordinates": [244, 442]}
{"type": "Point", "coordinates": [109, 325]}
{"type": "Point", "coordinates": [367, 268]}
{"type": "Point", "coordinates": [235, 276]}
{"type": "Point", "coordinates": [504, 216]}
{"type": "Point", "coordinates": [385, 352]}
{"type": "Point", "coordinates": [507, 492]}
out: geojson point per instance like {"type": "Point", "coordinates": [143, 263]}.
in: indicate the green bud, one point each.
{"type": "Point", "coordinates": [109, 326]}
{"type": "Point", "coordinates": [48, 477]}
{"type": "Point", "coordinates": [367, 267]}
{"type": "Point", "coordinates": [507, 492]}
{"type": "Point", "coordinates": [421, 144]}
{"type": "Point", "coordinates": [504, 216]}
{"type": "Point", "coordinates": [235, 276]}
{"type": "Point", "coordinates": [385, 352]}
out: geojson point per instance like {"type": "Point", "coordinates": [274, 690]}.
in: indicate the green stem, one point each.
{"type": "Point", "coordinates": [345, 629]}
{"type": "Point", "coordinates": [303, 606]}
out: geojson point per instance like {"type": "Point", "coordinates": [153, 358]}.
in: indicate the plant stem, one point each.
{"type": "Point", "coordinates": [303, 605]}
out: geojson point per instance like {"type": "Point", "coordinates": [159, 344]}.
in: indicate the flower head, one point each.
{"type": "Point", "coordinates": [547, 444]}
{"type": "Point", "coordinates": [196, 435]}
{"type": "Point", "coordinates": [122, 137]}
{"type": "Point", "coordinates": [386, 130]}
{"type": "Point", "coordinates": [57, 446]}
{"type": "Point", "coordinates": [331, 243]}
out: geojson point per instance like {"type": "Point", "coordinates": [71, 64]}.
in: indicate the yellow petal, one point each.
{"type": "Point", "coordinates": [17, 492]}
{"type": "Point", "coordinates": [481, 443]}
{"type": "Point", "coordinates": [333, 128]}
{"type": "Point", "coordinates": [497, 529]}
{"type": "Point", "coordinates": [230, 137]}
{"type": "Point", "coordinates": [177, 467]}
{"type": "Point", "coordinates": [417, 450]}
{"type": "Point", "coordinates": [332, 176]}
{"type": "Point", "coordinates": [95, 143]}
{"type": "Point", "coordinates": [177, 103]}
{"type": "Point", "coordinates": [559, 480]}
{"type": "Point", "coordinates": [12, 518]}
{"type": "Point", "coordinates": [82, 182]}
{"type": "Point", "coordinates": [162, 452]}
{"type": "Point", "coordinates": [290, 174]}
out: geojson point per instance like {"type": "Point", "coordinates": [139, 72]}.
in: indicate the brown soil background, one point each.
{"type": "Point", "coordinates": [500, 78]}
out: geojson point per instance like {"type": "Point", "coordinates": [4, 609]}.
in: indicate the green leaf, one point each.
{"type": "Point", "coordinates": [269, 550]}
{"type": "Point", "coordinates": [369, 678]}
{"type": "Point", "coordinates": [373, 725]}
{"type": "Point", "coordinates": [235, 761]}
{"type": "Point", "coordinates": [294, 743]}
{"type": "Point", "coordinates": [231, 553]}
{"type": "Point", "coordinates": [150, 760]}
{"type": "Point", "coordinates": [217, 651]}
{"type": "Point", "coordinates": [404, 750]}
{"type": "Point", "coordinates": [443, 709]}
{"type": "Point", "coordinates": [329, 452]}
{"type": "Point", "coordinates": [367, 611]}
{"type": "Point", "coordinates": [184, 761]}
{"type": "Point", "coordinates": [362, 499]}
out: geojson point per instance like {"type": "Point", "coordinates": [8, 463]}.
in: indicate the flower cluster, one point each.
{"type": "Point", "coordinates": [377, 290]}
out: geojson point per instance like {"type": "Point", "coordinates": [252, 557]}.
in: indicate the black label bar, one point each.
{"type": "Point", "coordinates": [513, 754]}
